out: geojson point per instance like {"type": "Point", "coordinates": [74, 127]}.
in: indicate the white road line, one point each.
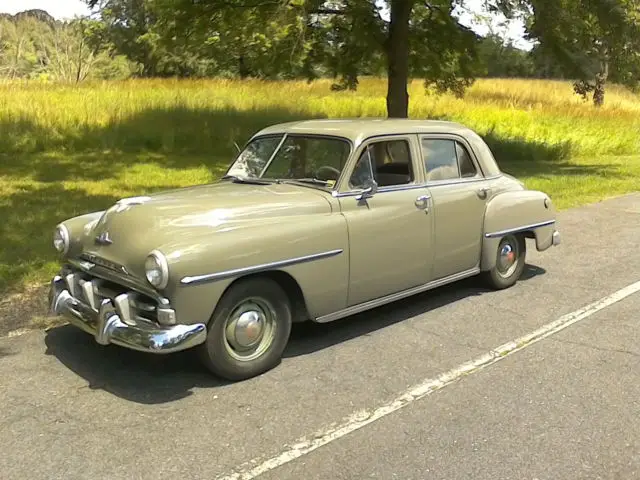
{"type": "Point", "coordinates": [428, 386]}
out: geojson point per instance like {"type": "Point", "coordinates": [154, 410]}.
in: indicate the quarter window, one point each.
{"type": "Point", "coordinates": [447, 160]}
{"type": "Point", "coordinates": [467, 168]}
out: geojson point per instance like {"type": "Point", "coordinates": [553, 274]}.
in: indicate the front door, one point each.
{"type": "Point", "coordinates": [459, 196]}
{"type": "Point", "coordinates": [390, 233]}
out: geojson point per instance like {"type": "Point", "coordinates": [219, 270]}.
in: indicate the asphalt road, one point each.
{"type": "Point", "coordinates": [565, 407]}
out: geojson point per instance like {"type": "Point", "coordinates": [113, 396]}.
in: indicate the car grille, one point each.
{"type": "Point", "coordinates": [92, 290]}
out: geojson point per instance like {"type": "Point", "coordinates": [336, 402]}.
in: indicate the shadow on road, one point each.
{"type": "Point", "coordinates": [4, 352]}
{"type": "Point", "coordinates": [531, 271]}
{"type": "Point", "coordinates": [155, 379]}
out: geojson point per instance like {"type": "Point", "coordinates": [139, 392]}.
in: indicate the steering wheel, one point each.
{"type": "Point", "coordinates": [330, 173]}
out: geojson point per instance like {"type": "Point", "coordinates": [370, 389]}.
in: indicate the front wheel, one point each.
{"type": "Point", "coordinates": [510, 262]}
{"type": "Point", "coordinates": [248, 330]}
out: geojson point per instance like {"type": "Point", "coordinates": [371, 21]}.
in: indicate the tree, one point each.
{"type": "Point", "coordinates": [33, 44]}
{"type": "Point", "coordinates": [129, 25]}
{"type": "Point", "coordinates": [68, 54]}
{"type": "Point", "coordinates": [593, 40]}
{"type": "Point", "coordinates": [20, 56]}
{"type": "Point", "coordinates": [303, 37]}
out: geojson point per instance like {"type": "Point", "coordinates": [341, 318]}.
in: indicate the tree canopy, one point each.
{"type": "Point", "coordinates": [593, 40]}
{"type": "Point", "coordinates": [589, 41]}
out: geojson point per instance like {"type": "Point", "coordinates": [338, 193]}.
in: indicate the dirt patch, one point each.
{"type": "Point", "coordinates": [27, 309]}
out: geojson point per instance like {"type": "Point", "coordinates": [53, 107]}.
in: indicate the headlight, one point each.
{"type": "Point", "coordinates": [61, 239]}
{"type": "Point", "coordinates": [156, 269]}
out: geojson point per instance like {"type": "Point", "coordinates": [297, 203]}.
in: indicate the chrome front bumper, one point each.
{"type": "Point", "coordinates": [105, 323]}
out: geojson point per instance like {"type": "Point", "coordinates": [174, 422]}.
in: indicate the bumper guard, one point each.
{"type": "Point", "coordinates": [106, 325]}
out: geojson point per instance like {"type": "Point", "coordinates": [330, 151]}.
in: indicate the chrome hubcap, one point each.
{"type": "Point", "coordinates": [249, 330]}
{"type": "Point", "coordinates": [507, 256]}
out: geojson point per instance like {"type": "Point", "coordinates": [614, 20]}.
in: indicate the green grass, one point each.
{"type": "Point", "coordinates": [69, 150]}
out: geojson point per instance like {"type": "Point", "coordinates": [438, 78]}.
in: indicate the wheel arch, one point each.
{"type": "Point", "coordinates": [299, 309]}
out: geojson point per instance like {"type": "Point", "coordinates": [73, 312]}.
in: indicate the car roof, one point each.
{"type": "Point", "coordinates": [358, 129]}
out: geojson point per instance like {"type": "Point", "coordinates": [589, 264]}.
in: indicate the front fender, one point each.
{"type": "Point", "coordinates": [313, 250]}
{"type": "Point", "coordinates": [529, 212]}
{"type": "Point", "coordinates": [77, 226]}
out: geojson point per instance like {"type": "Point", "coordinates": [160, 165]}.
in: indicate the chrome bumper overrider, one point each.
{"type": "Point", "coordinates": [556, 238]}
{"type": "Point", "coordinates": [105, 323]}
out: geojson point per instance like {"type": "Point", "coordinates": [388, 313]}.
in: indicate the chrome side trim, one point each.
{"type": "Point", "coordinates": [429, 184]}
{"type": "Point", "coordinates": [519, 229]}
{"type": "Point", "coordinates": [378, 302]}
{"type": "Point", "coordinates": [390, 188]}
{"type": "Point", "coordinates": [458, 181]}
{"type": "Point", "coordinates": [212, 277]}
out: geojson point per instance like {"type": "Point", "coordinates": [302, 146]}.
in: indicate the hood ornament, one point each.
{"type": "Point", "coordinates": [104, 239]}
{"type": "Point", "coordinates": [125, 203]}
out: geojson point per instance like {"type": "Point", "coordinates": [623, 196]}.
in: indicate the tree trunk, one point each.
{"type": "Point", "coordinates": [398, 59]}
{"type": "Point", "coordinates": [242, 68]}
{"type": "Point", "coordinates": [79, 69]}
{"type": "Point", "coordinates": [601, 81]}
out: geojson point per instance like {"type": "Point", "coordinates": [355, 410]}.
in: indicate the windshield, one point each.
{"type": "Point", "coordinates": [313, 159]}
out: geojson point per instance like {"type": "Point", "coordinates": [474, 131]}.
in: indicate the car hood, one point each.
{"type": "Point", "coordinates": [133, 227]}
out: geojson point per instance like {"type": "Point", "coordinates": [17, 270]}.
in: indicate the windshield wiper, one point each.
{"type": "Point", "coordinates": [313, 181]}
{"type": "Point", "coordinates": [248, 180]}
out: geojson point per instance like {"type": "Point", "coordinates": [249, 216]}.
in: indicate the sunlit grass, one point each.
{"type": "Point", "coordinates": [66, 150]}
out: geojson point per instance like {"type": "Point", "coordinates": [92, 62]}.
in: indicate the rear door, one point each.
{"type": "Point", "coordinates": [459, 194]}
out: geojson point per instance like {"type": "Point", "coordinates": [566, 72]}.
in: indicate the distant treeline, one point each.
{"type": "Point", "coordinates": [33, 45]}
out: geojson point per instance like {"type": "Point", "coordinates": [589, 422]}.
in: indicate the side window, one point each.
{"type": "Point", "coordinates": [447, 160]}
{"type": "Point", "coordinates": [467, 168]}
{"type": "Point", "coordinates": [388, 161]}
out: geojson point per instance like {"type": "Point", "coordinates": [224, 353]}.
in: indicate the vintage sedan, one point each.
{"type": "Point", "coordinates": [314, 221]}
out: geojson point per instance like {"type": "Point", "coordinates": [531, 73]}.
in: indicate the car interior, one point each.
{"type": "Point", "coordinates": [446, 160]}
{"type": "Point", "coordinates": [391, 161]}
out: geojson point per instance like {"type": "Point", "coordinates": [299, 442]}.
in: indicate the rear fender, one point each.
{"type": "Point", "coordinates": [528, 212]}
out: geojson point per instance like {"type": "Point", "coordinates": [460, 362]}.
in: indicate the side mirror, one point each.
{"type": "Point", "coordinates": [368, 192]}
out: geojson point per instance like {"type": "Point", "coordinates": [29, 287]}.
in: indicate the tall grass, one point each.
{"type": "Point", "coordinates": [92, 116]}
{"type": "Point", "coordinates": [65, 150]}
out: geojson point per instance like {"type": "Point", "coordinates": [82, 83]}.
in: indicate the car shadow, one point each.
{"type": "Point", "coordinates": [5, 352]}
{"type": "Point", "coordinates": [156, 379]}
{"type": "Point", "coordinates": [531, 271]}
{"type": "Point", "coordinates": [308, 337]}
{"type": "Point", "coordinates": [135, 376]}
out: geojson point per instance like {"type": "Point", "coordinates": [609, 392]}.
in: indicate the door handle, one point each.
{"type": "Point", "coordinates": [484, 192]}
{"type": "Point", "coordinates": [422, 202]}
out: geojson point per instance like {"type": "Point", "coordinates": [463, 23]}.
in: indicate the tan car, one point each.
{"type": "Point", "coordinates": [315, 220]}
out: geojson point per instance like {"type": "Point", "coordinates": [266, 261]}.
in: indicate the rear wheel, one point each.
{"type": "Point", "coordinates": [248, 330]}
{"type": "Point", "coordinates": [510, 262]}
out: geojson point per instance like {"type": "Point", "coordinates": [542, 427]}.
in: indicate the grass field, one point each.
{"type": "Point", "coordinates": [69, 150]}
